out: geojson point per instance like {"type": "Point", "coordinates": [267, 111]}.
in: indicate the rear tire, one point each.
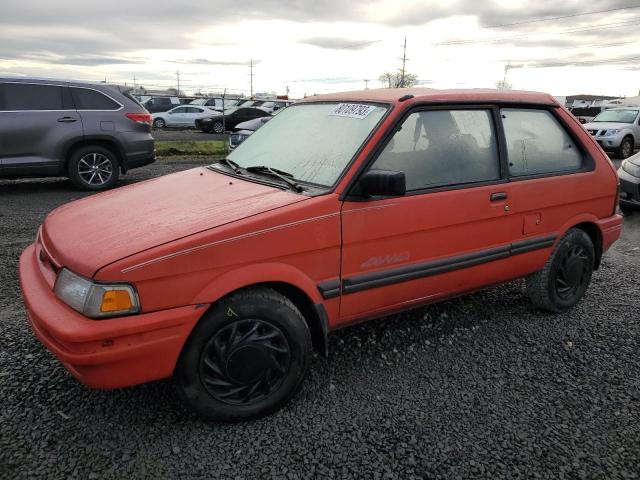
{"type": "Point", "coordinates": [625, 150]}
{"type": "Point", "coordinates": [218, 127]}
{"type": "Point", "coordinates": [246, 358]}
{"type": "Point", "coordinates": [93, 168]}
{"type": "Point", "coordinates": [566, 275]}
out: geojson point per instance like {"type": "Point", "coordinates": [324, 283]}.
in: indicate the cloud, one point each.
{"type": "Point", "coordinates": [337, 43]}
{"type": "Point", "coordinates": [205, 61]}
{"type": "Point", "coordinates": [629, 61]}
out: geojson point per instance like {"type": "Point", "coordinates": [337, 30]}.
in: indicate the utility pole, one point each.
{"type": "Point", "coordinates": [366, 84]}
{"type": "Point", "coordinates": [178, 78]}
{"type": "Point", "coordinates": [134, 82]}
{"type": "Point", "coordinates": [404, 61]}
{"type": "Point", "coordinates": [251, 75]}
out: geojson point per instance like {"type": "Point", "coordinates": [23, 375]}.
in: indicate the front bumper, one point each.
{"type": "Point", "coordinates": [629, 189]}
{"type": "Point", "coordinates": [104, 354]}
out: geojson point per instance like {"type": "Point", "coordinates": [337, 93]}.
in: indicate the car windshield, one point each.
{"type": "Point", "coordinates": [617, 116]}
{"type": "Point", "coordinates": [314, 142]}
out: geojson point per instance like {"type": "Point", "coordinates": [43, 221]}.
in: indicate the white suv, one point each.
{"type": "Point", "coordinates": [617, 130]}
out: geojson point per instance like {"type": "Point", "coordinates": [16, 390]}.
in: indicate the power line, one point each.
{"type": "Point", "coordinates": [573, 15]}
{"type": "Point", "coordinates": [605, 26]}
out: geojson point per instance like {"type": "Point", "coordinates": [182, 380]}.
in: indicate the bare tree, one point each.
{"type": "Point", "coordinates": [503, 85]}
{"type": "Point", "coordinates": [395, 80]}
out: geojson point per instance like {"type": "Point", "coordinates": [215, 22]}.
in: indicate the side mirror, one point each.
{"type": "Point", "coordinates": [383, 183]}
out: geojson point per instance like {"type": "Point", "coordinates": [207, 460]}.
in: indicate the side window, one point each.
{"type": "Point", "coordinates": [443, 147]}
{"type": "Point", "coordinates": [537, 143]}
{"type": "Point", "coordinates": [86, 99]}
{"type": "Point", "coordinates": [179, 110]}
{"type": "Point", "coordinates": [29, 96]}
{"type": "Point", "coordinates": [162, 101]}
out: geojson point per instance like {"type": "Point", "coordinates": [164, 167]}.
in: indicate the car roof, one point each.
{"type": "Point", "coordinates": [429, 95]}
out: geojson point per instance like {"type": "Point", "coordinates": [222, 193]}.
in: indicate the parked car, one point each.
{"type": "Point", "coordinates": [629, 173]}
{"type": "Point", "coordinates": [89, 132]}
{"type": "Point", "coordinates": [617, 130]}
{"type": "Point", "coordinates": [275, 105]}
{"type": "Point", "coordinates": [244, 129]}
{"type": "Point", "coordinates": [215, 102]}
{"type": "Point", "coordinates": [341, 208]}
{"type": "Point", "coordinates": [184, 116]}
{"type": "Point", "coordinates": [160, 104]}
{"type": "Point", "coordinates": [215, 123]}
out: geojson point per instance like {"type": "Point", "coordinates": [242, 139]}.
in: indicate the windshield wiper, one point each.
{"type": "Point", "coordinates": [282, 175]}
{"type": "Point", "coordinates": [231, 164]}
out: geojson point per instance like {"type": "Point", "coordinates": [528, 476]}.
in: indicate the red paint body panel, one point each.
{"type": "Point", "coordinates": [186, 240]}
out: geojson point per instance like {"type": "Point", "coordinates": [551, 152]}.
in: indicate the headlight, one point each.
{"type": "Point", "coordinates": [611, 133]}
{"type": "Point", "coordinates": [631, 168]}
{"type": "Point", "coordinates": [95, 300]}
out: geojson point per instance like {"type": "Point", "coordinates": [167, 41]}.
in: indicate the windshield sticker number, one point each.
{"type": "Point", "coordinates": [352, 110]}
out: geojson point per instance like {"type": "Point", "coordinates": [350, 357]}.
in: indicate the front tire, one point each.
{"type": "Point", "coordinates": [627, 210]}
{"type": "Point", "coordinates": [218, 127]}
{"type": "Point", "coordinates": [625, 150]}
{"type": "Point", "coordinates": [159, 123]}
{"type": "Point", "coordinates": [566, 275]}
{"type": "Point", "coordinates": [93, 168]}
{"type": "Point", "coordinates": [246, 358]}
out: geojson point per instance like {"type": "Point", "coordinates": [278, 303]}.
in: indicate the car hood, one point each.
{"type": "Point", "coordinates": [606, 125]}
{"type": "Point", "coordinates": [91, 233]}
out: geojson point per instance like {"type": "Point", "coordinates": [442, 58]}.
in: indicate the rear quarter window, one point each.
{"type": "Point", "coordinates": [86, 99]}
{"type": "Point", "coordinates": [537, 143]}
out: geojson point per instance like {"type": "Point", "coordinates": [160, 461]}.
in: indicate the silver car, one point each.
{"type": "Point", "coordinates": [182, 116]}
{"type": "Point", "coordinates": [617, 130]}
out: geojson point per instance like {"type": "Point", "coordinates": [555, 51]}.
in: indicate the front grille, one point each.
{"type": "Point", "coordinates": [593, 132]}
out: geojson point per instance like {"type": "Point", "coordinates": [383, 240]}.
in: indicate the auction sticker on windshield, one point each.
{"type": "Point", "coordinates": [352, 110]}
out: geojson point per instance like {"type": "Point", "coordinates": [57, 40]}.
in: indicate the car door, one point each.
{"type": "Point", "coordinates": [178, 116]}
{"type": "Point", "coordinates": [191, 115]}
{"type": "Point", "coordinates": [37, 120]}
{"type": "Point", "coordinates": [451, 232]}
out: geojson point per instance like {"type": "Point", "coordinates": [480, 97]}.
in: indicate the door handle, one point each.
{"type": "Point", "coordinates": [497, 196]}
{"type": "Point", "coordinates": [67, 120]}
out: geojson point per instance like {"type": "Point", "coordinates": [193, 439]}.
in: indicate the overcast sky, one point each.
{"type": "Point", "coordinates": [318, 46]}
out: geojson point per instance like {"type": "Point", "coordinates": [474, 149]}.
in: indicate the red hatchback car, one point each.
{"type": "Point", "coordinates": [344, 207]}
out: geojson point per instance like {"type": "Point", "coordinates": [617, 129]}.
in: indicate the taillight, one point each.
{"type": "Point", "coordinates": [141, 118]}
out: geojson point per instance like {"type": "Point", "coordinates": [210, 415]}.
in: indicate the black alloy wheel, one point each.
{"type": "Point", "coordinates": [247, 356]}
{"type": "Point", "coordinates": [566, 275]}
{"type": "Point", "coordinates": [574, 271]}
{"type": "Point", "coordinates": [245, 362]}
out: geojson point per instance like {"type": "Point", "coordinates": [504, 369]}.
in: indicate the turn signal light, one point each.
{"type": "Point", "coordinates": [115, 301]}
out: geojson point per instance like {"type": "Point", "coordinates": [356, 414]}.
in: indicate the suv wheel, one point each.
{"type": "Point", "coordinates": [218, 127]}
{"type": "Point", "coordinates": [93, 168]}
{"type": "Point", "coordinates": [159, 123]}
{"type": "Point", "coordinates": [625, 150]}
{"type": "Point", "coordinates": [246, 357]}
{"type": "Point", "coordinates": [566, 275]}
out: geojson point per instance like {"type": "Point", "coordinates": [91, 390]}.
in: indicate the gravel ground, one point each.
{"type": "Point", "coordinates": [185, 134]}
{"type": "Point", "coordinates": [480, 387]}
